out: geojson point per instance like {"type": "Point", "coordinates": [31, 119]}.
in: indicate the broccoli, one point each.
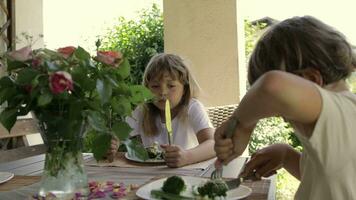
{"type": "Point", "coordinates": [213, 188]}
{"type": "Point", "coordinates": [154, 151]}
{"type": "Point", "coordinates": [174, 185]}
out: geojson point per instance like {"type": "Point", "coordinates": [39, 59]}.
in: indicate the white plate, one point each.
{"type": "Point", "coordinates": [157, 161]}
{"type": "Point", "coordinates": [5, 176]}
{"type": "Point", "coordinates": [145, 191]}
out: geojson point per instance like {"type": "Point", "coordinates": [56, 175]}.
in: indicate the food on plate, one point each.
{"type": "Point", "coordinates": [155, 152]}
{"type": "Point", "coordinates": [213, 188]}
{"type": "Point", "coordinates": [174, 185]}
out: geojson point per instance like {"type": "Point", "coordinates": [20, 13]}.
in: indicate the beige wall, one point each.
{"type": "Point", "coordinates": [29, 19]}
{"type": "Point", "coordinates": [206, 33]}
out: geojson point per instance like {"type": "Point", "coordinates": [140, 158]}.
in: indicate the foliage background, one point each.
{"type": "Point", "coordinates": [138, 40]}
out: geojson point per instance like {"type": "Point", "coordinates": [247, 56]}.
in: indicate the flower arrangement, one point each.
{"type": "Point", "coordinates": [68, 89]}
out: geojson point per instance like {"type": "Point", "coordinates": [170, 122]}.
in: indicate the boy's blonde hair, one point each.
{"type": "Point", "coordinates": [299, 43]}
{"type": "Point", "coordinates": [178, 69]}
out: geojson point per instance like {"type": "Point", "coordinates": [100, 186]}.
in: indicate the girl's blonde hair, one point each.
{"type": "Point", "coordinates": [178, 69]}
{"type": "Point", "coordinates": [299, 43]}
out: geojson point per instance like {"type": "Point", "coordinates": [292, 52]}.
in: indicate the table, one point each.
{"type": "Point", "coordinates": [28, 170]}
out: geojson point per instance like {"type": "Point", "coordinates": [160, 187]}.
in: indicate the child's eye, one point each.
{"type": "Point", "coordinates": [154, 86]}
{"type": "Point", "coordinates": [171, 86]}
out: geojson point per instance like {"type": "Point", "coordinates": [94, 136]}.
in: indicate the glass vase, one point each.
{"type": "Point", "coordinates": [64, 175]}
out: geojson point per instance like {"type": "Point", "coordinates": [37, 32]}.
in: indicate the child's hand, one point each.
{"type": "Point", "coordinates": [223, 146]}
{"type": "Point", "coordinates": [174, 155]}
{"type": "Point", "coordinates": [265, 162]}
{"type": "Point", "coordinates": [228, 149]}
{"type": "Point", "coordinates": [114, 145]}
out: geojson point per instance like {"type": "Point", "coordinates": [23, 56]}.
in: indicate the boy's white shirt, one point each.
{"type": "Point", "coordinates": [184, 131]}
{"type": "Point", "coordinates": [328, 162]}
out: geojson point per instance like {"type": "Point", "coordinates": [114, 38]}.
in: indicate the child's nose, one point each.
{"type": "Point", "coordinates": [164, 92]}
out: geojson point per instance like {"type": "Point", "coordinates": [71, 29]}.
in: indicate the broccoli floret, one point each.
{"type": "Point", "coordinates": [174, 185]}
{"type": "Point", "coordinates": [213, 188]}
{"type": "Point", "coordinates": [154, 152]}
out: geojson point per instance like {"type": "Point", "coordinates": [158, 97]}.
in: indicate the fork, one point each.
{"type": "Point", "coordinates": [232, 123]}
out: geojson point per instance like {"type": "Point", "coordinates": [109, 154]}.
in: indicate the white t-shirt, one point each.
{"type": "Point", "coordinates": [328, 162]}
{"type": "Point", "coordinates": [184, 131]}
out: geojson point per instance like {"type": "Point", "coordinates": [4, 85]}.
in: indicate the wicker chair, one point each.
{"type": "Point", "coordinates": [219, 114]}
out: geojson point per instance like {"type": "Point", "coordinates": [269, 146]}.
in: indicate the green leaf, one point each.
{"type": "Point", "coordinates": [79, 75]}
{"type": "Point", "coordinates": [44, 99]}
{"type": "Point", "coordinates": [136, 150]}
{"type": "Point", "coordinates": [8, 118]}
{"type": "Point", "coordinates": [124, 69]}
{"type": "Point", "coordinates": [101, 145]}
{"type": "Point", "coordinates": [26, 76]}
{"type": "Point", "coordinates": [81, 54]}
{"type": "Point", "coordinates": [6, 82]}
{"type": "Point", "coordinates": [140, 94]}
{"type": "Point", "coordinates": [121, 105]}
{"type": "Point", "coordinates": [13, 64]}
{"type": "Point", "coordinates": [104, 89]}
{"type": "Point", "coordinates": [7, 94]}
{"type": "Point", "coordinates": [96, 121]}
{"type": "Point", "coordinates": [121, 130]}
{"type": "Point", "coordinates": [75, 110]}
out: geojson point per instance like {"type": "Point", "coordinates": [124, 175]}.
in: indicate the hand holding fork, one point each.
{"type": "Point", "coordinates": [228, 133]}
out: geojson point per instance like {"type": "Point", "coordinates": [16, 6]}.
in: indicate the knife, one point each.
{"type": "Point", "coordinates": [167, 111]}
{"type": "Point", "coordinates": [235, 183]}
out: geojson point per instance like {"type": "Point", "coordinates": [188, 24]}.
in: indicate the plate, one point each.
{"type": "Point", "coordinates": [5, 176]}
{"type": "Point", "coordinates": [157, 161]}
{"type": "Point", "coordinates": [237, 193]}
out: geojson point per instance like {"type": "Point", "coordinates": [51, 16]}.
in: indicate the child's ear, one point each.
{"type": "Point", "coordinates": [313, 75]}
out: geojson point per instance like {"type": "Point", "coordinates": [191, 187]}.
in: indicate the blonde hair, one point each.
{"type": "Point", "coordinates": [178, 69]}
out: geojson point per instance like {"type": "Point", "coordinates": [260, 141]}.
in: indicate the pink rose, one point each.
{"type": "Point", "coordinates": [60, 82]}
{"type": "Point", "coordinates": [66, 51]}
{"type": "Point", "coordinates": [22, 54]}
{"type": "Point", "coordinates": [112, 58]}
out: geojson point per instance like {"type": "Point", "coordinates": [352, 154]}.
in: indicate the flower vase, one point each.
{"type": "Point", "coordinates": [64, 175]}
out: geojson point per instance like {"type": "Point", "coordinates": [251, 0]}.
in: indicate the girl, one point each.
{"type": "Point", "coordinates": [168, 77]}
{"type": "Point", "coordinates": [298, 70]}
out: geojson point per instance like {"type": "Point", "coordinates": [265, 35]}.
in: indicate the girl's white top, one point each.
{"type": "Point", "coordinates": [184, 130]}
{"type": "Point", "coordinates": [328, 163]}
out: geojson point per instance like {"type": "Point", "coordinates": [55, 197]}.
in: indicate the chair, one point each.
{"type": "Point", "coordinates": [22, 152]}
{"type": "Point", "coordinates": [219, 114]}
{"type": "Point", "coordinates": [18, 136]}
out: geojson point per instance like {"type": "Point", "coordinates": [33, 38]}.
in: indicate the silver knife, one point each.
{"type": "Point", "coordinates": [235, 183]}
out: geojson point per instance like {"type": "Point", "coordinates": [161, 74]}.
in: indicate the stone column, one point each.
{"type": "Point", "coordinates": [29, 20]}
{"type": "Point", "coordinates": [209, 33]}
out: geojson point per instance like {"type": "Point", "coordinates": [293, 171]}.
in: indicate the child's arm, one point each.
{"type": "Point", "coordinates": [276, 93]}
{"type": "Point", "coordinates": [176, 156]}
{"type": "Point", "coordinates": [268, 160]}
{"type": "Point", "coordinates": [279, 93]}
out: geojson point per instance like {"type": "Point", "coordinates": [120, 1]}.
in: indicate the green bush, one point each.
{"type": "Point", "coordinates": [138, 39]}
{"type": "Point", "coordinates": [269, 131]}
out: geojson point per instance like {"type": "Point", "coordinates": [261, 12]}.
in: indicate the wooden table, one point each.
{"type": "Point", "coordinates": [28, 170]}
